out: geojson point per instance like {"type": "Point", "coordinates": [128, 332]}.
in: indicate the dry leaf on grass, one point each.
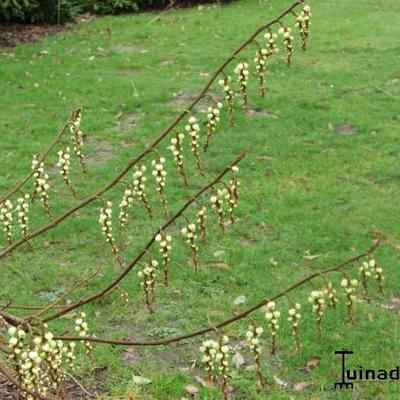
{"type": "Point", "coordinates": [203, 382]}
{"type": "Point", "coordinates": [192, 390]}
{"type": "Point", "coordinates": [313, 362]}
{"type": "Point", "coordinates": [222, 266]}
{"type": "Point", "coordinates": [300, 386]}
{"type": "Point", "coordinates": [238, 359]}
{"type": "Point", "coordinates": [297, 387]}
{"type": "Point", "coordinates": [239, 300]}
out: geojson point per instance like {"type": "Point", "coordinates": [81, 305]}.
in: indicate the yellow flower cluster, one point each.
{"type": "Point", "coordinates": [164, 242]}
{"type": "Point", "coordinates": [272, 315]}
{"type": "Point", "coordinates": [40, 360]}
{"type": "Point", "coordinates": [317, 299]}
{"type": "Point", "coordinates": [41, 184]}
{"type": "Point", "coordinates": [378, 273]}
{"type": "Point", "coordinates": [217, 203]}
{"type": "Point", "coordinates": [202, 220]}
{"type": "Point", "coordinates": [272, 47]}
{"type": "Point", "coordinates": [288, 39]}
{"type": "Point", "coordinates": [105, 220]}
{"type": "Point", "coordinates": [78, 138]}
{"type": "Point", "coordinates": [303, 24]}
{"type": "Point", "coordinates": [160, 175]}
{"type": "Point", "coordinates": [193, 129]}
{"type": "Point", "coordinates": [209, 350]}
{"type": "Point", "coordinates": [124, 205]}
{"type": "Point", "coordinates": [330, 293]}
{"type": "Point", "coordinates": [260, 61]}
{"type": "Point", "coordinates": [189, 234]}
{"type": "Point", "coordinates": [177, 151]}
{"type": "Point", "coordinates": [294, 318]}
{"type": "Point", "coordinates": [349, 287]}
{"type": "Point", "coordinates": [148, 284]}
{"type": "Point", "coordinates": [229, 96]}
{"type": "Point", "coordinates": [6, 217]}
{"type": "Point", "coordinates": [82, 328]}
{"type": "Point", "coordinates": [242, 72]}
{"type": "Point", "coordinates": [139, 186]}
{"type": "Point", "coordinates": [64, 161]}
{"type": "Point", "coordinates": [22, 212]}
{"type": "Point", "coordinates": [213, 119]}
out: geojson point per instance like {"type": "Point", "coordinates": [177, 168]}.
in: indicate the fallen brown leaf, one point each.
{"type": "Point", "coordinates": [192, 390]}
{"type": "Point", "coordinates": [301, 386]}
{"type": "Point", "coordinates": [203, 382]}
{"type": "Point", "coordinates": [313, 362]}
{"type": "Point", "coordinates": [238, 359]}
{"type": "Point", "coordinates": [222, 266]}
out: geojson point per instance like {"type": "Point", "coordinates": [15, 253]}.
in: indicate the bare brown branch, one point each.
{"type": "Point", "coordinates": [237, 317]}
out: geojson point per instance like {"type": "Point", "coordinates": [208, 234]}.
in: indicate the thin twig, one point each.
{"type": "Point", "coordinates": [81, 386]}
{"type": "Point", "coordinates": [64, 295]}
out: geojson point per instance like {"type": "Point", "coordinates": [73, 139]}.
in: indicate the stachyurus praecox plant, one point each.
{"type": "Point", "coordinates": [38, 359]}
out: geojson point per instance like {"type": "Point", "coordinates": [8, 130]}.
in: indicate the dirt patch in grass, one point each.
{"type": "Point", "coordinates": [182, 100]}
{"type": "Point", "coordinates": [346, 130]}
{"type": "Point", "coordinates": [12, 35]}
{"type": "Point", "coordinates": [127, 122]}
{"type": "Point", "coordinates": [98, 151]}
{"type": "Point", "coordinates": [180, 356]}
{"type": "Point", "coordinates": [259, 112]}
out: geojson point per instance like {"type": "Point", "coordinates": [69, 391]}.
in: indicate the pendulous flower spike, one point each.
{"type": "Point", "coordinates": [378, 274]}
{"type": "Point", "coordinates": [139, 187]}
{"type": "Point", "coordinates": [232, 195]}
{"type": "Point", "coordinates": [272, 315]}
{"type": "Point", "coordinates": [64, 161]}
{"type": "Point", "coordinates": [242, 72]}
{"type": "Point", "coordinates": [260, 61]}
{"type": "Point", "coordinates": [330, 293]}
{"type": "Point", "coordinates": [22, 212]}
{"type": "Point", "coordinates": [148, 283]}
{"type": "Point", "coordinates": [193, 130]}
{"type": "Point", "coordinates": [81, 327]}
{"type": "Point", "coordinates": [105, 220]}
{"type": "Point", "coordinates": [253, 339]}
{"type": "Point", "coordinates": [294, 318]}
{"type": "Point", "coordinates": [124, 205]}
{"type": "Point", "coordinates": [202, 221]}
{"type": "Point", "coordinates": [271, 45]}
{"type": "Point", "coordinates": [365, 273]}
{"type": "Point", "coordinates": [42, 185]}
{"type": "Point", "coordinates": [189, 234]}
{"type": "Point", "coordinates": [177, 151]}
{"type": "Point", "coordinates": [213, 119]}
{"type": "Point", "coordinates": [349, 287]}
{"type": "Point", "coordinates": [303, 22]}
{"type": "Point", "coordinates": [6, 217]}
{"type": "Point", "coordinates": [217, 203]}
{"type": "Point", "coordinates": [317, 299]}
{"type": "Point", "coordinates": [164, 242]}
{"type": "Point", "coordinates": [78, 138]}
{"type": "Point", "coordinates": [229, 96]}
{"type": "Point", "coordinates": [288, 40]}
{"type": "Point", "coordinates": [160, 175]}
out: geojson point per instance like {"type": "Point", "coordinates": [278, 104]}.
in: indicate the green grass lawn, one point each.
{"type": "Point", "coordinates": [321, 176]}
